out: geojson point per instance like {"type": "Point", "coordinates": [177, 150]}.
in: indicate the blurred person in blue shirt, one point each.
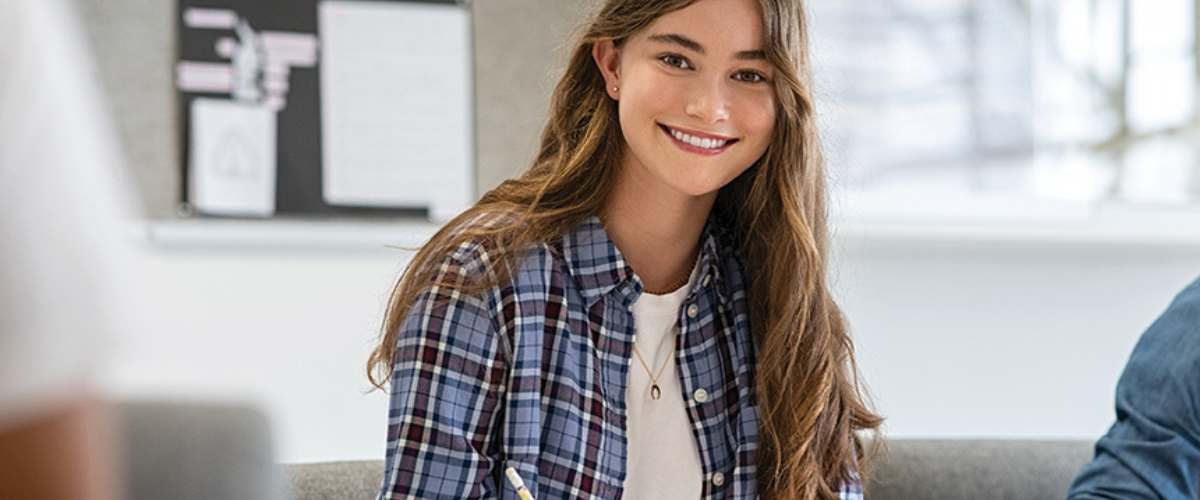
{"type": "Point", "coordinates": [1153, 449]}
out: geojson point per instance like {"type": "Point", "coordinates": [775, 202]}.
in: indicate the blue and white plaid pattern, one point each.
{"type": "Point", "coordinates": [531, 374]}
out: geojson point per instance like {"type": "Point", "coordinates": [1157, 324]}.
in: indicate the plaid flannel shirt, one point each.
{"type": "Point", "coordinates": [531, 374]}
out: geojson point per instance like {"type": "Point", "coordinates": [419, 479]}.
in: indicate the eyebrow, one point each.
{"type": "Point", "coordinates": [688, 43]}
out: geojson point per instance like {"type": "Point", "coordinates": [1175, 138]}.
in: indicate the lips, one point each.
{"type": "Point", "coordinates": [699, 140]}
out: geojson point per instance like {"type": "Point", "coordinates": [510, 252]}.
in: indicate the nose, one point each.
{"type": "Point", "coordinates": [708, 102]}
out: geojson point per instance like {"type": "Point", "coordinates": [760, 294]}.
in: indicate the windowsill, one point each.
{"type": "Point", "coordinates": [285, 234]}
{"type": "Point", "coordinates": [986, 223]}
{"type": "Point", "coordinates": [927, 217]}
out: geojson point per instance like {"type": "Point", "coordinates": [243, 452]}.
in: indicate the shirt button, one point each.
{"type": "Point", "coordinates": [707, 278]}
{"type": "Point", "coordinates": [693, 310]}
{"type": "Point", "coordinates": [718, 479]}
{"type": "Point", "coordinates": [700, 395]}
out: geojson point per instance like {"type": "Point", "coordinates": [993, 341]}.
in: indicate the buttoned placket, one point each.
{"type": "Point", "coordinates": [717, 479]}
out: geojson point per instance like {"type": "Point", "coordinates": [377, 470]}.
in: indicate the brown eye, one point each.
{"type": "Point", "coordinates": [749, 77]}
{"type": "Point", "coordinates": [675, 61]}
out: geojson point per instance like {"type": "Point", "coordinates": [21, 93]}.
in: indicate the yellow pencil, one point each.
{"type": "Point", "coordinates": [517, 483]}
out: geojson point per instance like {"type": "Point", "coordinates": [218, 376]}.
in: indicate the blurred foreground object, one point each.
{"type": "Point", "coordinates": [198, 451]}
{"type": "Point", "coordinates": [62, 259]}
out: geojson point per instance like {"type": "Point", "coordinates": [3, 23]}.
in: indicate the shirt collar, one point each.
{"type": "Point", "coordinates": [599, 268]}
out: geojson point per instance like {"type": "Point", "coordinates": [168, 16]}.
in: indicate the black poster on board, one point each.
{"type": "Point", "coordinates": [212, 53]}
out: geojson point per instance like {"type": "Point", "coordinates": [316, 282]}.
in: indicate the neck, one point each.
{"type": "Point", "coordinates": [659, 235]}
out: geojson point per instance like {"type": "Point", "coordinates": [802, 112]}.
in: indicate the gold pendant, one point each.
{"type": "Point", "coordinates": [655, 393]}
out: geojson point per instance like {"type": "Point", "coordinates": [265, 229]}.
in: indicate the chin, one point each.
{"type": "Point", "coordinates": [698, 191]}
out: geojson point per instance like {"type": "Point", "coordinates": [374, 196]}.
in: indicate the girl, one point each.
{"type": "Point", "coordinates": [644, 313]}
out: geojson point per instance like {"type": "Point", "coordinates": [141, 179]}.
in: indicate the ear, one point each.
{"type": "Point", "coordinates": [608, 59]}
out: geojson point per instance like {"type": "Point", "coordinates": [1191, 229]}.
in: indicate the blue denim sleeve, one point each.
{"type": "Point", "coordinates": [1153, 449]}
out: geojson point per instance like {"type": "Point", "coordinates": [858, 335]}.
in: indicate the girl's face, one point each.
{"type": "Point", "coordinates": [696, 101]}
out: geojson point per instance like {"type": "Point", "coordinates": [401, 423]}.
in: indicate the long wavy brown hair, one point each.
{"type": "Point", "coordinates": [812, 408]}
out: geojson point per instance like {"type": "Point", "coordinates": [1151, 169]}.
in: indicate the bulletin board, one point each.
{"type": "Point", "coordinates": [249, 78]}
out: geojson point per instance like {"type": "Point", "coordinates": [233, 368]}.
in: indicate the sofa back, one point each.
{"type": "Point", "coordinates": [357, 480]}
{"type": "Point", "coordinates": [911, 469]}
{"type": "Point", "coordinates": [953, 469]}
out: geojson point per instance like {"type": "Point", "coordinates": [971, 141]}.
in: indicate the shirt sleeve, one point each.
{"type": "Point", "coordinates": [851, 491]}
{"type": "Point", "coordinates": [446, 389]}
{"type": "Point", "coordinates": [1153, 450]}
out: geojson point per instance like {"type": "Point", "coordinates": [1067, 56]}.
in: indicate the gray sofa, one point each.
{"type": "Point", "coordinates": [186, 452]}
{"type": "Point", "coordinates": [977, 469]}
{"type": "Point", "coordinates": [911, 470]}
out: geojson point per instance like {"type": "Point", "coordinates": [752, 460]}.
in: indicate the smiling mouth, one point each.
{"type": "Point", "coordinates": [697, 142]}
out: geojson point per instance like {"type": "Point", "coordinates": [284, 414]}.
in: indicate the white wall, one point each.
{"type": "Point", "coordinates": [989, 339]}
{"type": "Point", "coordinates": [1012, 341]}
{"type": "Point", "coordinates": [288, 330]}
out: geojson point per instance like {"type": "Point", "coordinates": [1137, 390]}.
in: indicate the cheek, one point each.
{"type": "Point", "coordinates": [645, 95]}
{"type": "Point", "coordinates": [763, 118]}
{"type": "Point", "coordinates": [758, 119]}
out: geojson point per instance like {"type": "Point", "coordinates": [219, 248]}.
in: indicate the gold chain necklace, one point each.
{"type": "Point", "coordinates": [681, 282]}
{"type": "Point", "coordinates": [655, 392]}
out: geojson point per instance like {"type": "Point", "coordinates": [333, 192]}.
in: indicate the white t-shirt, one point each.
{"type": "Point", "coordinates": [663, 461]}
{"type": "Point", "coordinates": [62, 254]}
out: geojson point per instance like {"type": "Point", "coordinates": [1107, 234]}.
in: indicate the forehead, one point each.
{"type": "Point", "coordinates": [719, 25]}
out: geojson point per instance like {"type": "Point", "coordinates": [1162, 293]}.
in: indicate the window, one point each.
{"type": "Point", "coordinates": [1069, 100]}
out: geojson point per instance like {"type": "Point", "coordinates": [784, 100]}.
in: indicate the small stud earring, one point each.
{"type": "Point", "coordinates": [614, 88]}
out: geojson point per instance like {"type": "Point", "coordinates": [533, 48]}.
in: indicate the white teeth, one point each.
{"type": "Point", "coordinates": [696, 141]}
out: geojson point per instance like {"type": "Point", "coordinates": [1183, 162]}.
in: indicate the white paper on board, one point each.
{"type": "Point", "coordinates": [396, 105]}
{"type": "Point", "coordinates": [232, 160]}
{"type": "Point", "coordinates": [202, 18]}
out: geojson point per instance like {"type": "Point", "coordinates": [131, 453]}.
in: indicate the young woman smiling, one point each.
{"type": "Point", "coordinates": [644, 313]}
